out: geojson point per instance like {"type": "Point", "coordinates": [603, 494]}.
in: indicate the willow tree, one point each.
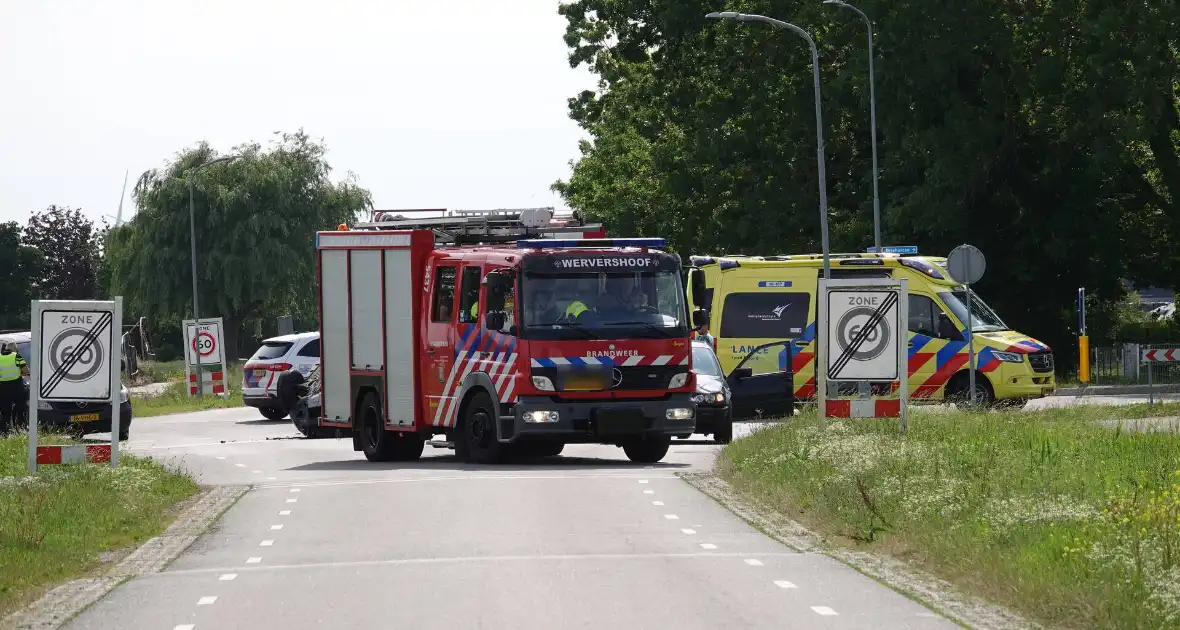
{"type": "Point", "coordinates": [256, 219]}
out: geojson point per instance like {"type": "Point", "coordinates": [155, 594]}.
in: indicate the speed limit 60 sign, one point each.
{"type": "Point", "coordinates": [203, 342]}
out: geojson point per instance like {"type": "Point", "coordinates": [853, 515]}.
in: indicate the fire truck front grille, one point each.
{"type": "Point", "coordinates": [630, 377]}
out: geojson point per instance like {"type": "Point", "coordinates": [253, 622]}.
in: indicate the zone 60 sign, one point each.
{"type": "Point", "coordinates": [204, 341]}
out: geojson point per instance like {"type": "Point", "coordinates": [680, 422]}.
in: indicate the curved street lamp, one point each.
{"type": "Point", "coordinates": [872, 120]}
{"type": "Point", "coordinates": [192, 231]}
{"type": "Point", "coordinates": [819, 122]}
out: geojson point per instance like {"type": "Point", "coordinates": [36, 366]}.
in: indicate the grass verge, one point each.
{"type": "Point", "coordinates": [175, 399]}
{"type": "Point", "coordinates": [1073, 524]}
{"type": "Point", "coordinates": [55, 525]}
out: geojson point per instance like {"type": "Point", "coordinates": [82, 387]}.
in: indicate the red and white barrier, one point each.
{"type": "Point", "coordinates": [74, 454]}
{"type": "Point", "coordinates": [864, 408]}
{"type": "Point", "coordinates": [1161, 356]}
{"type": "Point", "coordinates": [216, 379]}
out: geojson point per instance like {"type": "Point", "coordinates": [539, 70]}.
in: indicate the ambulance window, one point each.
{"type": "Point", "coordinates": [764, 315]}
{"type": "Point", "coordinates": [444, 294]}
{"type": "Point", "coordinates": [923, 316]}
{"type": "Point", "coordinates": [470, 295]}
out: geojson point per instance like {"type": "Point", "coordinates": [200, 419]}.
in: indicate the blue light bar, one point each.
{"type": "Point", "coordinates": [895, 249]}
{"type": "Point", "coordinates": [590, 242]}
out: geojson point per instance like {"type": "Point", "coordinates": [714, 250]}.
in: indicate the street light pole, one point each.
{"type": "Point", "coordinates": [872, 121]}
{"type": "Point", "coordinates": [819, 122]}
{"type": "Point", "coordinates": [192, 233]}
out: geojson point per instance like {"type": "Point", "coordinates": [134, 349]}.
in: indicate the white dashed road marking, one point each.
{"type": "Point", "coordinates": [824, 610]}
{"type": "Point", "coordinates": [271, 478]}
{"type": "Point", "coordinates": [292, 500]}
{"type": "Point", "coordinates": [671, 517]}
{"type": "Point", "coordinates": [754, 563]}
{"type": "Point", "coordinates": [187, 626]}
{"type": "Point", "coordinates": [240, 465]}
{"type": "Point", "coordinates": [689, 531]}
{"type": "Point", "coordinates": [784, 584]}
{"type": "Point", "coordinates": [295, 490]}
{"type": "Point", "coordinates": [284, 512]}
{"type": "Point", "coordinates": [275, 528]}
{"type": "Point", "coordinates": [220, 457]}
{"type": "Point", "coordinates": [254, 560]}
{"type": "Point", "coordinates": [205, 601]}
{"type": "Point", "coordinates": [649, 492]}
{"type": "Point", "coordinates": [642, 481]}
{"type": "Point", "coordinates": [227, 577]}
{"type": "Point", "coordinates": [268, 543]}
{"type": "Point", "coordinates": [256, 472]}
{"type": "Point", "coordinates": [708, 546]}
{"type": "Point", "coordinates": [657, 502]}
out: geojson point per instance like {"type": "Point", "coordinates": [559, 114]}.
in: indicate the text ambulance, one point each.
{"type": "Point", "coordinates": [759, 300]}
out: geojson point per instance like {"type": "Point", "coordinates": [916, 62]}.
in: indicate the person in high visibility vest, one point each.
{"type": "Point", "coordinates": [474, 312]}
{"type": "Point", "coordinates": [575, 309]}
{"type": "Point", "coordinates": [12, 390]}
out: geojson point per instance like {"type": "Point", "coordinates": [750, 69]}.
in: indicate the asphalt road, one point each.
{"type": "Point", "coordinates": [326, 539]}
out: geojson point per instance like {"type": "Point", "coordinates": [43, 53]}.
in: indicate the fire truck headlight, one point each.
{"type": "Point", "coordinates": [541, 416]}
{"type": "Point", "coordinates": [679, 413]}
{"type": "Point", "coordinates": [678, 380]}
{"type": "Point", "coordinates": [543, 383]}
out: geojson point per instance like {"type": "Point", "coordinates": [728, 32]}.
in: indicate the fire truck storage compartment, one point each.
{"type": "Point", "coordinates": [367, 315]}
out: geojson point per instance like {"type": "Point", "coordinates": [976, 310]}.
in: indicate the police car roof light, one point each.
{"type": "Point", "coordinates": [590, 242]}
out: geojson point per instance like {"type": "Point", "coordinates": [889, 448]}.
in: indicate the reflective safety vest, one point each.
{"type": "Point", "coordinates": [575, 309]}
{"type": "Point", "coordinates": [9, 368]}
{"type": "Point", "coordinates": [474, 311]}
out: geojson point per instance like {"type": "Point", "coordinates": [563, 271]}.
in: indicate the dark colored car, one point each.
{"type": "Point", "coordinates": [712, 398]}
{"type": "Point", "coordinates": [78, 418]}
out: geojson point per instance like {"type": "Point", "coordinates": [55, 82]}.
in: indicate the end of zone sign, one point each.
{"type": "Point", "coordinates": [77, 348]}
{"type": "Point", "coordinates": [864, 333]}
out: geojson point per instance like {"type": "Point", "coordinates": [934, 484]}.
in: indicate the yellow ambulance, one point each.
{"type": "Point", "coordinates": [754, 301]}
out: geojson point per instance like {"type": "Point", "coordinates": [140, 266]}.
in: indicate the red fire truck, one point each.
{"type": "Point", "coordinates": [492, 330]}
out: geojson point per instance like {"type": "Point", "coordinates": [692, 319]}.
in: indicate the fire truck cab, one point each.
{"type": "Point", "coordinates": [488, 328]}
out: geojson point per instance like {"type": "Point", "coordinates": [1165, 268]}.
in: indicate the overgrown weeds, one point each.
{"type": "Point", "coordinates": [1076, 524]}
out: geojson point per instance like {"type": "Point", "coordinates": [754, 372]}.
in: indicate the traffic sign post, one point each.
{"type": "Point", "coordinates": [1156, 356]}
{"type": "Point", "coordinates": [204, 355]}
{"type": "Point", "coordinates": [75, 356]}
{"type": "Point", "coordinates": [864, 336]}
{"type": "Point", "coordinates": [966, 265]}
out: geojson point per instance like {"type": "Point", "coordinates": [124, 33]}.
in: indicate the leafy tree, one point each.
{"type": "Point", "coordinates": [69, 243]}
{"type": "Point", "coordinates": [20, 265]}
{"type": "Point", "coordinates": [256, 219]}
{"type": "Point", "coordinates": [1043, 134]}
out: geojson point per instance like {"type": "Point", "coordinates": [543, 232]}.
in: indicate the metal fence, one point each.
{"type": "Point", "coordinates": [1124, 365]}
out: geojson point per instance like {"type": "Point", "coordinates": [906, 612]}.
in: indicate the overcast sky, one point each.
{"type": "Point", "coordinates": [436, 103]}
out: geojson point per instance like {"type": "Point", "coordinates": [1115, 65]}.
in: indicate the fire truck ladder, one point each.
{"type": "Point", "coordinates": [465, 227]}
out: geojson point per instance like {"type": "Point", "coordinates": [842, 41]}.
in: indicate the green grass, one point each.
{"type": "Point", "coordinates": [158, 372]}
{"type": "Point", "coordinates": [1075, 525]}
{"type": "Point", "coordinates": [176, 399]}
{"type": "Point", "coordinates": [54, 525]}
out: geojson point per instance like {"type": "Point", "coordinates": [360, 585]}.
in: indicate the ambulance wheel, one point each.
{"type": "Point", "coordinates": [647, 450]}
{"type": "Point", "coordinates": [477, 441]}
{"type": "Point", "coordinates": [958, 391]}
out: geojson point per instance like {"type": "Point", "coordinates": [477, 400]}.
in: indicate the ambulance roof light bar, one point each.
{"type": "Point", "coordinates": [590, 242]}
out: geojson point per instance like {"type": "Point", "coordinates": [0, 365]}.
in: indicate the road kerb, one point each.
{"type": "Point", "coordinates": [937, 594]}
{"type": "Point", "coordinates": [63, 602]}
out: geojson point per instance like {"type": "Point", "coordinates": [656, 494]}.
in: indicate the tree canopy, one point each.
{"type": "Point", "coordinates": [71, 247]}
{"type": "Point", "coordinates": [1045, 134]}
{"type": "Point", "coordinates": [20, 265]}
{"type": "Point", "coordinates": [256, 219]}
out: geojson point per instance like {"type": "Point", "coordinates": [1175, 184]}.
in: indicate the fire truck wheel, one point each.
{"type": "Point", "coordinates": [647, 450]}
{"type": "Point", "coordinates": [478, 432]}
{"type": "Point", "coordinates": [378, 444]}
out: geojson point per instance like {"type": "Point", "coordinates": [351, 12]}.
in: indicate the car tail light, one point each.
{"type": "Point", "coordinates": [273, 367]}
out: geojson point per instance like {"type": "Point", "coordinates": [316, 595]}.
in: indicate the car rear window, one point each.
{"type": "Point", "coordinates": [271, 350]}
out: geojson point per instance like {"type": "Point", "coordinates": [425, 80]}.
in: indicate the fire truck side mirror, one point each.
{"type": "Point", "coordinates": [700, 317]}
{"type": "Point", "coordinates": [498, 285]}
{"type": "Point", "coordinates": [697, 284]}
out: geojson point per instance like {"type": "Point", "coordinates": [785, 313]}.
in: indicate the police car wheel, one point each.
{"type": "Point", "coordinates": [288, 388]}
{"type": "Point", "coordinates": [478, 432]}
{"type": "Point", "coordinates": [647, 450]}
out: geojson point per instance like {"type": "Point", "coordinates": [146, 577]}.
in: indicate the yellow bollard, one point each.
{"type": "Point", "coordinates": [1084, 358]}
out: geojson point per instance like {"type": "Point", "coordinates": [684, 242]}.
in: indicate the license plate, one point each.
{"type": "Point", "coordinates": [618, 421]}
{"type": "Point", "coordinates": [85, 417]}
{"type": "Point", "coordinates": [583, 383]}
{"type": "Point", "coordinates": [259, 372]}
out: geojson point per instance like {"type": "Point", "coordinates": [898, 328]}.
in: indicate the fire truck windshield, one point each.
{"type": "Point", "coordinates": [604, 305]}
